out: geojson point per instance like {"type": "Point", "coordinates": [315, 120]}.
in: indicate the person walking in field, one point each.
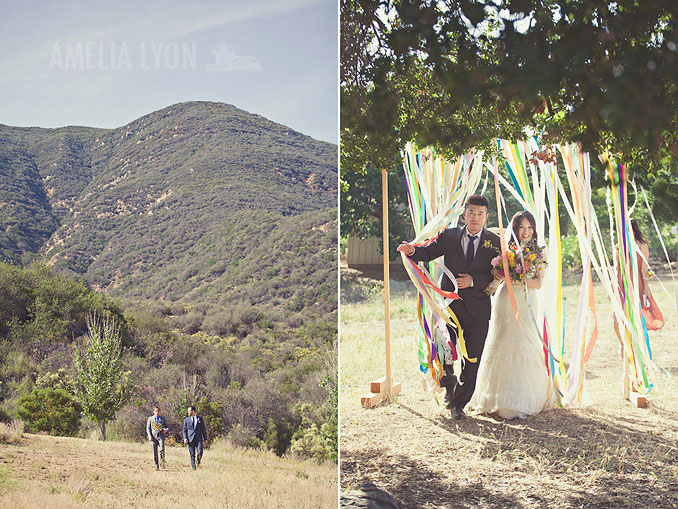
{"type": "Point", "coordinates": [157, 429]}
{"type": "Point", "coordinates": [194, 434]}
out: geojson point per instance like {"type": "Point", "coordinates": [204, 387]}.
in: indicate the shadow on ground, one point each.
{"type": "Point", "coordinates": [580, 457]}
{"type": "Point", "coordinates": [411, 483]}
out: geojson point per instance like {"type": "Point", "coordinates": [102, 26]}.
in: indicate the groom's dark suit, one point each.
{"type": "Point", "coordinates": [194, 431]}
{"type": "Point", "coordinates": [472, 309]}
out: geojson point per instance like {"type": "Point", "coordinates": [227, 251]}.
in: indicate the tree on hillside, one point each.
{"type": "Point", "coordinates": [102, 388]}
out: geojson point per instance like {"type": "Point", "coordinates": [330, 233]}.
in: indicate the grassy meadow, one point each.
{"type": "Point", "coordinates": [45, 471]}
{"type": "Point", "coordinates": [605, 453]}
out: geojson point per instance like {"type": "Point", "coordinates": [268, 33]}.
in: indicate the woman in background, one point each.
{"type": "Point", "coordinates": [652, 315]}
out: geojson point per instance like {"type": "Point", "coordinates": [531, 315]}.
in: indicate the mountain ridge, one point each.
{"type": "Point", "coordinates": [114, 205]}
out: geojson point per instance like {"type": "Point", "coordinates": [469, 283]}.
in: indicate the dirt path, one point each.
{"type": "Point", "coordinates": [605, 454]}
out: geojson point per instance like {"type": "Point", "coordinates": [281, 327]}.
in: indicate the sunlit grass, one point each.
{"type": "Point", "coordinates": [605, 445]}
{"type": "Point", "coordinates": [49, 471]}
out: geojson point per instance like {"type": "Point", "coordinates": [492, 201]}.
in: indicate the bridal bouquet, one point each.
{"type": "Point", "coordinates": [158, 427]}
{"type": "Point", "coordinates": [520, 268]}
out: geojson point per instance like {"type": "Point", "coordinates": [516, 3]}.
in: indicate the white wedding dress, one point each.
{"type": "Point", "coordinates": [512, 378]}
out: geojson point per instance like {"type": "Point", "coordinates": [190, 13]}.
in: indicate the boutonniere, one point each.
{"type": "Point", "coordinates": [488, 244]}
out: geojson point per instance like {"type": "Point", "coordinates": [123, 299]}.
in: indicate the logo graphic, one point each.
{"type": "Point", "coordinates": [226, 59]}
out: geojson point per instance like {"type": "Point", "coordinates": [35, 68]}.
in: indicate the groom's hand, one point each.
{"type": "Point", "coordinates": [406, 247]}
{"type": "Point", "coordinates": [464, 281]}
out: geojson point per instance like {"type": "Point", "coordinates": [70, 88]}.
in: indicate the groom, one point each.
{"type": "Point", "coordinates": [194, 433]}
{"type": "Point", "coordinates": [469, 260]}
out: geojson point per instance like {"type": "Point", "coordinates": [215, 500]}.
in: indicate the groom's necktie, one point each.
{"type": "Point", "coordinates": [470, 251]}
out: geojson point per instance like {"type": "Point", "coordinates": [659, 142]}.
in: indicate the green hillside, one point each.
{"type": "Point", "coordinates": [195, 201]}
{"type": "Point", "coordinates": [209, 235]}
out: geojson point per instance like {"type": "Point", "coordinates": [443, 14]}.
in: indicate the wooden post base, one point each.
{"type": "Point", "coordinates": [636, 399]}
{"type": "Point", "coordinates": [377, 392]}
{"type": "Point", "coordinates": [630, 391]}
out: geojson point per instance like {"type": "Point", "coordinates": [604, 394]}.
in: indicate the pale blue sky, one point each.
{"type": "Point", "coordinates": [104, 64]}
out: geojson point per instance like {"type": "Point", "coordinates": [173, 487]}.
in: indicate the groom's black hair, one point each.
{"type": "Point", "coordinates": [476, 199]}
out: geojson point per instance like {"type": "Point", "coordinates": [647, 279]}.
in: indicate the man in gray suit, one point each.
{"type": "Point", "coordinates": [156, 429]}
{"type": "Point", "coordinates": [194, 433]}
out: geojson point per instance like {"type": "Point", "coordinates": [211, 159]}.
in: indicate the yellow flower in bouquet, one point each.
{"type": "Point", "coordinates": [524, 261]}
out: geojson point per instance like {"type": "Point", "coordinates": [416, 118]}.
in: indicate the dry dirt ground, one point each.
{"type": "Point", "coordinates": [46, 472]}
{"type": "Point", "coordinates": [604, 454]}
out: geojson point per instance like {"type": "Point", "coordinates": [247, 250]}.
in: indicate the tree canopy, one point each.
{"type": "Point", "coordinates": [459, 74]}
{"type": "Point", "coordinates": [102, 387]}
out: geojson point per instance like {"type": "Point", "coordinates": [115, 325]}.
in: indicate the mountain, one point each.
{"type": "Point", "coordinates": [197, 202]}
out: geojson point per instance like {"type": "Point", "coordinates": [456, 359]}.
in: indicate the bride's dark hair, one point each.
{"type": "Point", "coordinates": [637, 234]}
{"type": "Point", "coordinates": [518, 217]}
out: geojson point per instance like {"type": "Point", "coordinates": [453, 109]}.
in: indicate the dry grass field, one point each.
{"type": "Point", "coordinates": [45, 472]}
{"type": "Point", "coordinates": [603, 454]}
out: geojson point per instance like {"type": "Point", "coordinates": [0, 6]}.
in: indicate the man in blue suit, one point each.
{"type": "Point", "coordinates": [194, 434]}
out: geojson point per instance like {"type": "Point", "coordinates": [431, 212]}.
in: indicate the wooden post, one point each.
{"type": "Point", "coordinates": [630, 391]}
{"type": "Point", "coordinates": [387, 286]}
{"type": "Point", "coordinates": [626, 386]}
{"type": "Point", "coordinates": [384, 388]}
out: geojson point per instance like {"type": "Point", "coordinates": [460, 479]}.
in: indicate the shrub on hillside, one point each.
{"type": "Point", "coordinates": [60, 379]}
{"type": "Point", "coordinates": [278, 435]}
{"type": "Point", "coordinates": [220, 323]}
{"type": "Point", "coordinates": [190, 323]}
{"type": "Point", "coordinates": [218, 374]}
{"type": "Point", "coordinates": [61, 359]}
{"type": "Point", "coordinates": [11, 433]}
{"type": "Point", "coordinates": [241, 436]}
{"type": "Point", "coordinates": [130, 423]}
{"type": "Point", "coordinates": [34, 303]}
{"type": "Point", "coordinates": [310, 443]}
{"type": "Point", "coordinates": [52, 410]}
{"type": "Point", "coordinates": [253, 404]}
{"type": "Point", "coordinates": [211, 412]}
{"type": "Point", "coordinates": [16, 371]}
{"type": "Point", "coordinates": [317, 436]}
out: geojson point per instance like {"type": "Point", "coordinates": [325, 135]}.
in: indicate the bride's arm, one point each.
{"type": "Point", "coordinates": [534, 283]}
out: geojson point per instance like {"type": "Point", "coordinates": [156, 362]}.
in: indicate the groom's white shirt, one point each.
{"type": "Point", "coordinates": [465, 241]}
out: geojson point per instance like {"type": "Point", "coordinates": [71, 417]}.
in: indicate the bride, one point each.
{"type": "Point", "coordinates": [512, 377]}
